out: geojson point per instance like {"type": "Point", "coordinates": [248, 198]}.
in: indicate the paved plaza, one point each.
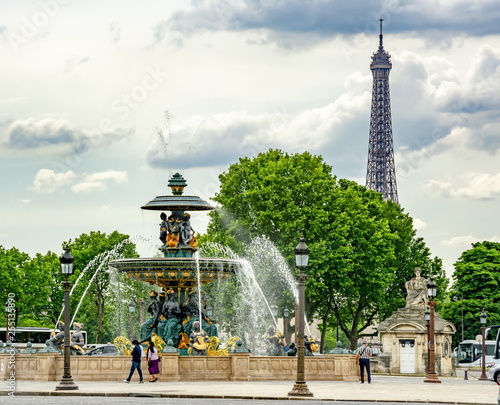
{"type": "Point", "coordinates": [454, 390]}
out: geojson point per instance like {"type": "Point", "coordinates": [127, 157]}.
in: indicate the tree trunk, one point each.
{"type": "Point", "coordinates": [325, 319]}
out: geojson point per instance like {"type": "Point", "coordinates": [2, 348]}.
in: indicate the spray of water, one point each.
{"type": "Point", "coordinates": [198, 280]}
{"type": "Point", "coordinates": [263, 278]}
{"type": "Point", "coordinates": [101, 261]}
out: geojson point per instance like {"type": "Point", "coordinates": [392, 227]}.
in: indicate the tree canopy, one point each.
{"type": "Point", "coordinates": [363, 249]}
{"type": "Point", "coordinates": [100, 295]}
{"type": "Point", "coordinates": [103, 308]}
{"type": "Point", "coordinates": [475, 287]}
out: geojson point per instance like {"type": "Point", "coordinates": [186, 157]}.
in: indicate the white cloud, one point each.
{"type": "Point", "coordinates": [31, 133]}
{"type": "Point", "coordinates": [48, 181]}
{"type": "Point", "coordinates": [467, 241]}
{"type": "Point", "coordinates": [479, 186]}
{"type": "Point", "coordinates": [418, 224]}
{"type": "Point", "coordinates": [225, 137]}
{"type": "Point", "coordinates": [98, 181]}
{"type": "Point", "coordinates": [60, 135]}
{"type": "Point", "coordinates": [460, 241]}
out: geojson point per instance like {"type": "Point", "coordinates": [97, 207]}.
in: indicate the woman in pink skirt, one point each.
{"type": "Point", "coordinates": [153, 362]}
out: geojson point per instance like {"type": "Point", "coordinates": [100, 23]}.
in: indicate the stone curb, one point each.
{"type": "Point", "coordinates": [198, 396]}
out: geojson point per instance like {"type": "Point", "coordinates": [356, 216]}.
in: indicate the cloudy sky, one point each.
{"type": "Point", "coordinates": [102, 101]}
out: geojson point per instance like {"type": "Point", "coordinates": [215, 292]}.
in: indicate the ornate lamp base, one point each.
{"type": "Point", "coordinates": [432, 378]}
{"type": "Point", "coordinates": [67, 384]}
{"type": "Point", "coordinates": [300, 390]}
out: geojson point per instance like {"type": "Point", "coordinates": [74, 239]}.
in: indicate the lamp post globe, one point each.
{"type": "Point", "coordinates": [66, 382]}
{"type": "Point", "coordinates": [482, 320]}
{"type": "Point", "coordinates": [274, 310]}
{"type": "Point", "coordinates": [300, 388]}
{"type": "Point", "coordinates": [427, 317]}
{"type": "Point", "coordinates": [431, 367]}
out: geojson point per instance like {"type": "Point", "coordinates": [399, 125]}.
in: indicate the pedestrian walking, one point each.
{"type": "Point", "coordinates": [136, 362]}
{"type": "Point", "coordinates": [153, 362]}
{"type": "Point", "coordinates": [363, 359]}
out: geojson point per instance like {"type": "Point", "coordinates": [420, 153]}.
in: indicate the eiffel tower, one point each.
{"type": "Point", "coordinates": [381, 171]}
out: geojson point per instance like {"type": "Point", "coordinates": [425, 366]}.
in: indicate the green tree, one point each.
{"type": "Point", "coordinates": [92, 253]}
{"type": "Point", "coordinates": [475, 287]}
{"type": "Point", "coordinates": [361, 246]}
{"type": "Point", "coordinates": [12, 276]}
{"type": "Point", "coordinates": [43, 293]}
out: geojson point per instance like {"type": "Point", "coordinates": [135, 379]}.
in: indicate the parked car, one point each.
{"type": "Point", "coordinates": [103, 350]}
{"type": "Point", "coordinates": [494, 374]}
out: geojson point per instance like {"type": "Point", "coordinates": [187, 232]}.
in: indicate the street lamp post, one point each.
{"type": "Point", "coordinates": [142, 303]}
{"type": "Point", "coordinates": [431, 369]}
{"type": "Point", "coordinates": [482, 319]}
{"type": "Point", "coordinates": [286, 314]}
{"type": "Point", "coordinates": [296, 326]}
{"type": "Point", "coordinates": [300, 388]}
{"type": "Point", "coordinates": [131, 310]}
{"type": "Point", "coordinates": [427, 322]}
{"type": "Point", "coordinates": [67, 382]}
{"type": "Point", "coordinates": [274, 311]}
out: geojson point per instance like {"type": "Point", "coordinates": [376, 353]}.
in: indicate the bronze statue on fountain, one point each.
{"type": "Point", "coordinates": [169, 321]}
{"type": "Point", "coordinates": [77, 339]}
{"type": "Point", "coordinates": [276, 342]}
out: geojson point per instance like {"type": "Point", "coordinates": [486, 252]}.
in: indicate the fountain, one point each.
{"type": "Point", "coordinates": [180, 272]}
{"type": "Point", "coordinates": [176, 312]}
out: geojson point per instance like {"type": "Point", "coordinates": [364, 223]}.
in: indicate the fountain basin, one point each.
{"type": "Point", "coordinates": [177, 272]}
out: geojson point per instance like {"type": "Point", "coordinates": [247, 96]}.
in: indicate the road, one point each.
{"type": "Point", "coordinates": [38, 400]}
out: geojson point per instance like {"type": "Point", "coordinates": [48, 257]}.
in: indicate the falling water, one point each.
{"type": "Point", "coordinates": [198, 280]}
{"type": "Point", "coordinates": [90, 264]}
{"type": "Point", "coordinates": [267, 261]}
{"type": "Point", "coordinates": [262, 265]}
{"type": "Point", "coordinates": [103, 259]}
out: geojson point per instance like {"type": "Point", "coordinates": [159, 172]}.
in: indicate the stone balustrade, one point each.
{"type": "Point", "coordinates": [234, 367]}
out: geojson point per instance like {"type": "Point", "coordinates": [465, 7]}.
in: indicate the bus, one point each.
{"type": "Point", "coordinates": [21, 335]}
{"type": "Point", "coordinates": [469, 352]}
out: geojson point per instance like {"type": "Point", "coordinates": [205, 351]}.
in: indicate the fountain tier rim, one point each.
{"type": "Point", "coordinates": [157, 263]}
{"type": "Point", "coordinates": [177, 203]}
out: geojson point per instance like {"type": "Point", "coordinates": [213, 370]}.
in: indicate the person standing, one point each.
{"type": "Point", "coordinates": [153, 362]}
{"type": "Point", "coordinates": [136, 362]}
{"type": "Point", "coordinates": [363, 358]}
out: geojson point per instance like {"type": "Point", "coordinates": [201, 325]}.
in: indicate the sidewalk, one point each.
{"type": "Point", "coordinates": [382, 388]}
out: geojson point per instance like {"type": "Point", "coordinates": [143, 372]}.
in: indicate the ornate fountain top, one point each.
{"type": "Point", "coordinates": [177, 201]}
{"type": "Point", "coordinates": [177, 184]}
{"type": "Point", "coordinates": [178, 270]}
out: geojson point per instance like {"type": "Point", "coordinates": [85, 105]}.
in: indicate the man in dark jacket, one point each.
{"type": "Point", "coordinates": [136, 362]}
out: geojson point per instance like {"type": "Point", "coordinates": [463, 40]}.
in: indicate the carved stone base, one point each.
{"type": "Point", "coordinates": [67, 384]}
{"type": "Point", "coordinates": [300, 390]}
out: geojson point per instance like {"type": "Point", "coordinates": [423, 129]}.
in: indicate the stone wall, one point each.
{"type": "Point", "coordinates": [235, 367]}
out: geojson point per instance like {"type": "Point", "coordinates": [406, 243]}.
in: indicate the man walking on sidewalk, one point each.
{"type": "Point", "coordinates": [136, 362]}
{"type": "Point", "coordinates": [363, 359]}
